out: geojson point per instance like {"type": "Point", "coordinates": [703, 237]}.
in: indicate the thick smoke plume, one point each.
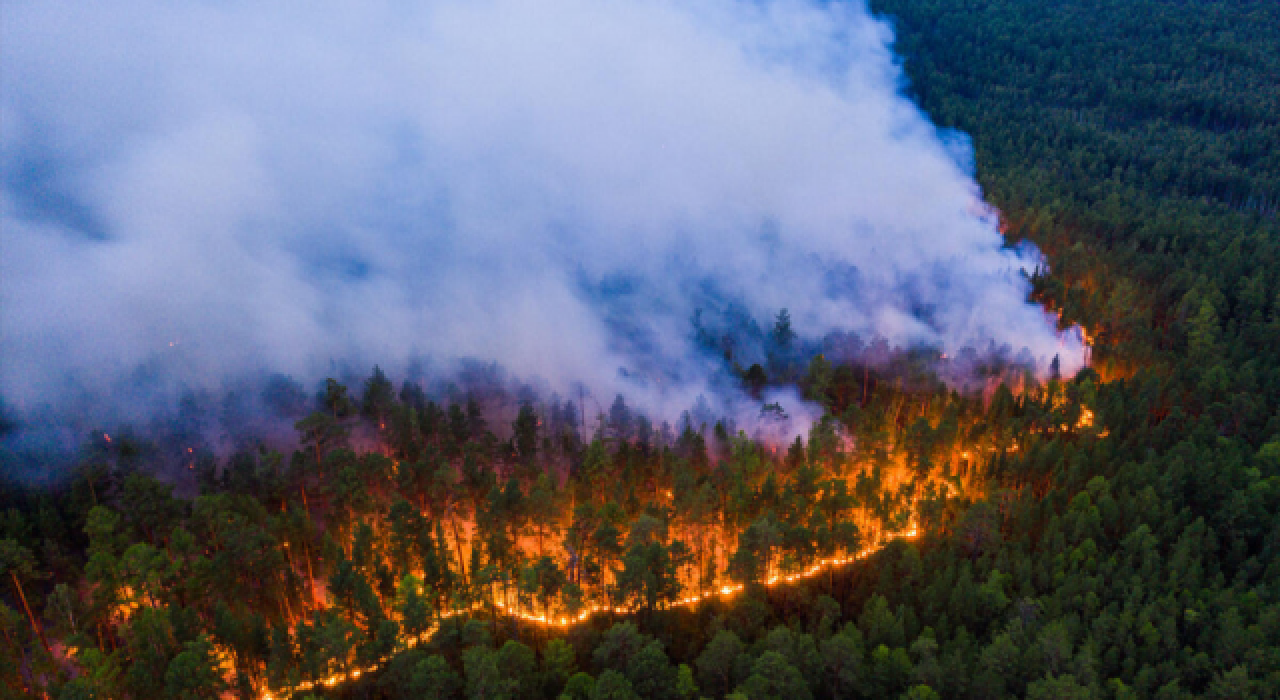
{"type": "Point", "coordinates": [199, 192]}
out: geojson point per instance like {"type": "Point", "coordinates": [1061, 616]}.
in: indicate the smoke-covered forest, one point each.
{"type": "Point", "coordinates": [1000, 530]}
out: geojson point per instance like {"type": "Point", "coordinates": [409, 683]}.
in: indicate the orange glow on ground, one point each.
{"type": "Point", "coordinates": [725, 591]}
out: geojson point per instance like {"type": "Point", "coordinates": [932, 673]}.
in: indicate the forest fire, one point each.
{"type": "Point", "coordinates": [767, 349]}
{"type": "Point", "coordinates": [725, 591]}
{"type": "Point", "coordinates": [430, 516]}
{"type": "Point", "coordinates": [1086, 418]}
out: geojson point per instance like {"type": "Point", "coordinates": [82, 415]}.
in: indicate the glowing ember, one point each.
{"type": "Point", "coordinates": [1086, 418]}
{"type": "Point", "coordinates": [722, 592]}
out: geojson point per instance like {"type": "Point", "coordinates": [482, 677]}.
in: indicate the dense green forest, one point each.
{"type": "Point", "coordinates": [1109, 535]}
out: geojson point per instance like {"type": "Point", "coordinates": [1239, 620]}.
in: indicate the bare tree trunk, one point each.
{"type": "Point", "coordinates": [35, 625]}
{"type": "Point", "coordinates": [284, 595]}
{"type": "Point", "coordinates": [457, 544]}
{"type": "Point", "coordinates": [311, 577]}
{"type": "Point", "coordinates": [306, 550]}
{"type": "Point", "coordinates": [21, 651]}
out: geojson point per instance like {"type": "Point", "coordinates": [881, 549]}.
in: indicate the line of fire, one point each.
{"type": "Point", "coordinates": [398, 516]}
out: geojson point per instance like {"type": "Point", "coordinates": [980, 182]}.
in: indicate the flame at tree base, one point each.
{"type": "Point", "coordinates": [726, 591]}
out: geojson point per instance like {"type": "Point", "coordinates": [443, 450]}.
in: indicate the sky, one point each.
{"type": "Point", "coordinates": [192, 193]}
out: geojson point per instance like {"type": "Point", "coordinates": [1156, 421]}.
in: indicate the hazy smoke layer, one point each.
{"type": "Point", "coordinates": [204, 189]}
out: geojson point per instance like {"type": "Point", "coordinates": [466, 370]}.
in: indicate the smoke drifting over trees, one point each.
{"type": "Point", "coordinates": [197, 193]}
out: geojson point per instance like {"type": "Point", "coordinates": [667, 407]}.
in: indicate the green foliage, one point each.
{"type": "Point", "coordinates": [433, 679]}
{"type": "Point", "coordinates": [717, 662]}
{"type": "Point", "coordinates": [612, 685]}
{"type": "Point", "coordinates": [772, 678]}
{"type": "Point", "coordinates": [193, 674]}
{"type": "Point", "coordinates": [1109, 535]}
{"type": "Point", "coordinates": [686, 687]}
{"type": "Point", "coordinates": [580, 686]}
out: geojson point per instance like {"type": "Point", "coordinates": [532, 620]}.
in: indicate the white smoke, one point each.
{"type": "Point", "coordinates": [206, 189]}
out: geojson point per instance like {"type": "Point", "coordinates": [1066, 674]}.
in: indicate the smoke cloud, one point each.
{"type": "Point", "coordinates": [195, 192]}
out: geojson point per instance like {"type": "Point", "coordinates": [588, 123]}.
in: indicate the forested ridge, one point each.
{"type": "Point", "coordinates": [1109, 535]}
